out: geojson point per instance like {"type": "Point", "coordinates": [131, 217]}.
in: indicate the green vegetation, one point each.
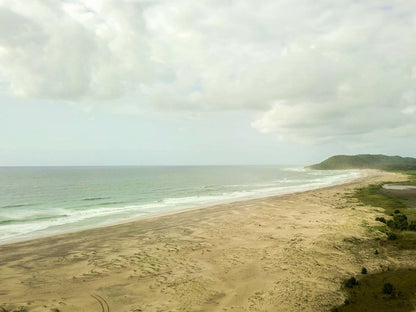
{"type": "Point", "coordinates": [373, 196]}
{"type": "Point", "coordinates": [399, 222]}
{"type": "Point", "coordinates": [404, 218]}
{"type": "Point", "coordinates": [351, 282]}
{"type": "Point", "coordinates": [387, 291]}
{"type": "Point", "coordinates": [405, 240]}
{"type": "Point", "coordinates": [381, 219]}
{"type": "Point", "coordinates": [411, 176]}
{"type": "Point", "coordinates": [367, 161]}
{"type": "Point", "coordinates": [391, 236]}
{"type": "Point", "coordinates": [412, 226]}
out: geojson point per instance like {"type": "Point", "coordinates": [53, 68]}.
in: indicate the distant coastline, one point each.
{"type": "Point", "coordinates": [366, 161]}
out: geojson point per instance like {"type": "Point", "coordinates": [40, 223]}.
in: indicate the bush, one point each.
{"type": "Point", "coordinates": [397, 211]}
{"type": "Point", "coordinates": [399, 222]}
{"type": "Point", "coordinates": [392, 236]}
{"type": "Point", "coordinates": [412, 226]}
{"type": "Point", "coordinates": [350, 283]}
{"type": "Point", "coordinates": [388, 288]}
{"type": "Point", "coordinates": [381, 219]}
{"type": "Point", "coordinates": [363, 271]}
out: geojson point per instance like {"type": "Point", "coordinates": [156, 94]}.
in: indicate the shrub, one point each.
{"type": "Point", "coordinates": [351, 282]}
{"type": "Point", "coordinates": [381, 219]}
{"type": "Point", "coordinates": [363, 271]}
{"type": "Point", "coordinates": [392, 236]}
{"type": "Point", "coordinates": [399, 222]}
{"type": "Point", "coordinates": [397, 211]}
{"type": "Point", "coordinates": [388, 288]}
{"type": "Point", "coordinates": [412, 226]}
{"type": "Point", "coordinates": [383, 229]}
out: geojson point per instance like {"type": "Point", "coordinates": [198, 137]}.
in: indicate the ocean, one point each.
{"type": "Point", "coordinates": [42, 201]}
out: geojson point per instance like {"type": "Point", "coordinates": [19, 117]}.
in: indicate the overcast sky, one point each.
{"type": "Point", "coordinates": [155, 82]}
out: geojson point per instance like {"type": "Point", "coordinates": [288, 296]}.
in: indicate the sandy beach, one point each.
{"type": "Point", "coordinates": [283, 253]}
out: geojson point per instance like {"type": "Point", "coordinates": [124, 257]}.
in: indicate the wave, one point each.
{"type": "Point", "coordinates": [91, 205]}
{"type": "Point", "coordinates": [40, 218]}
{"type": "Point", "coordinates": [99, 214]}
{"type": "Point", "coordinates": [94, 198]}
{"type": "Point", "coordinates": [18, 205]}
{"type": "Point", "coordinates": [296, 169]}
{"type": "Point", "coordinates": [112, 203]}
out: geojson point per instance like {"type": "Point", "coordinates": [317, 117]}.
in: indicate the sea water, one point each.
{"type": "Point", "coordinates": [41, 201]}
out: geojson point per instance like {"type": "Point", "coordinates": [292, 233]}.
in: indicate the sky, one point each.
{"type": "Point", "coordinates": [207, 82]}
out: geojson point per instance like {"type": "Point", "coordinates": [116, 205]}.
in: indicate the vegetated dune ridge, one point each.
{"type": "Point", "coordinates": [366, 161]}
{"type": "Point", "coordinates": [283, 253]}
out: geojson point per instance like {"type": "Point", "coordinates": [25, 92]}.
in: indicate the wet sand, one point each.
{"type": "Point", "coordinates": [283, 253]}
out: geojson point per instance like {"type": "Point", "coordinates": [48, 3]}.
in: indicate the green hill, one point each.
{"type": "Point", "coordinates": [366, 161]}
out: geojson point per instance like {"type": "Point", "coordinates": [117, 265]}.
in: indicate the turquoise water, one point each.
{"type": "Point", "coordinates": [39, 201]}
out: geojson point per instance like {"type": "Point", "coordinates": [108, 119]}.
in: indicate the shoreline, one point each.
{"type": "Point", "coordinates": [362, 174]}
{"type": "Point", "coordinates": [287, 252]}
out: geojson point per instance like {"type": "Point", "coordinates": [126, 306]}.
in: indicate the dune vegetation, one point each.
{"type": "Point", "coordinates": [389, 290]}
{"type": "Point", "coordinates": [367, 161]}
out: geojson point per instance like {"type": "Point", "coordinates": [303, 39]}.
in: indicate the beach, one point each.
{"type": "Point", "coordinates": [281, 253]}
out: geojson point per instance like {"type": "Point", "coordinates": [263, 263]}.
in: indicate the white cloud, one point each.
{"type": "Point", "coordinates": [315, 69]}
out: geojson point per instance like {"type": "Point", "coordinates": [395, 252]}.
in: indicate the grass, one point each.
{"type": "Point", "coordinates": [369, 295]}
{"type": "Point", "coordinates": [372, 196]}
{"type": "Point", "coordinates": [405, 241]}
{"type": "Point", "coordinates": [391, 290]}
{"type": "Point", "coordinates": [382, 229]}
{"type": "Point", "coordinates": [411, 174]}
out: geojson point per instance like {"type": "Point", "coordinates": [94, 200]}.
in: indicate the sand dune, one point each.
{"type": "Point", "coordinates": [284, 253]}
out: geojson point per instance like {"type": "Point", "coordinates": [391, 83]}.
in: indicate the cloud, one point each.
{"type": "Point", "coordinates": [313, 70]}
